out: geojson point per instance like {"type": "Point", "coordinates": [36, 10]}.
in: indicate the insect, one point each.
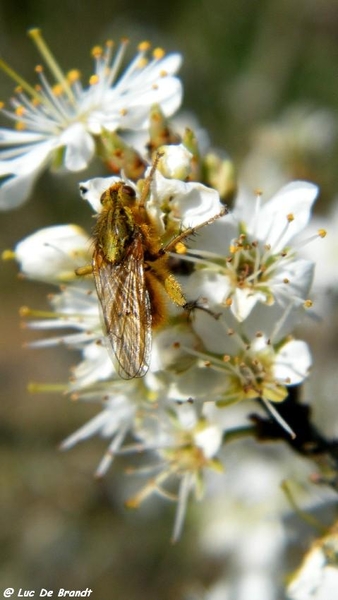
{"type": "Point", "coordinates": [130, 269]}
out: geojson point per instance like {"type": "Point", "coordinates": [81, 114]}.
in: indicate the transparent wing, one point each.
{"type": "Point", "coordinates": [126, 308]}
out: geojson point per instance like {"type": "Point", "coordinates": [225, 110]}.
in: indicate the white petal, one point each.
{"type": "Point", "coordinates": [52, 253]}
{"type": "Point", "coordinates": [175, 161]}
{"type": "Point", "coordinates": [243, 301]}
{"type": "Point", "coordinates": [293, 362]}
{"type": "Point", "coordinates": [191, 202]}
{"type": "Point", "coordinates": [25, 170]}
{"type": "Point", "coordinates": [299, 274]}
{"type": "Point", "coordinates": [209, 440]}
{"type": "Point", "coordinates": [79, 147]}
{"type": "Point", "coordinates": [12, 137]}
{"type": "Point", "coordinates": [205, 284]}
{"type": "Point", "coordinates": [295, 198]}
{"type": "Point", "coordinates": [92, 190]}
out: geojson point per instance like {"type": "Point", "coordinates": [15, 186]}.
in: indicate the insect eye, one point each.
{"type": "Point", "coordinates": [129, 191]}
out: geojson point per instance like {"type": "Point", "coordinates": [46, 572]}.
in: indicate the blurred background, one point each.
{"type": "Point", "coordinates": [261, 77]}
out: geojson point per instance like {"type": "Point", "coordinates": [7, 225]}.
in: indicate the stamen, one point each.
{"type": "Point", "coordinates": [41, 388]}
{"type": "Point", "coordinates": [279, 418]}
{"type": "Point", "coordinates": [144, 46]}
{"type": "Point", "coordinates": [115, 67]}
{"type": "Point", "coordinates": [183, 495]}
{"type": "Point", "coordinates": [18, 79]}
{"type": "Point", "coordinates": [158, 53]}
{"type": "Point", "coordinates": [55, 69]}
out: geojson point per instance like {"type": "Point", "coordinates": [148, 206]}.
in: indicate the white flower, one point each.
{"type": "Point", "coordinates": [251, 255]}
{"type": "Point", "coordinates": [52, 254]}
{"type": "Point", "coordinates": [187, 443]}
{"type": "Point", "coordinates": [184, 204]}
{"type": "Point", "coordinates": [59, 123]}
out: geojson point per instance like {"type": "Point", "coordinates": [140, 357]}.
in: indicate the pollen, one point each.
{"type": "Point", "coordinates": [97, 51]}
{"type": "Point", "coordinates": [290, 217]}
{"type": "Point", "coordinates": [123, 112]}
{"type": "Point", "coordinates": [163, 73]}
{"type": "Point", "coordinates": [158, 53]}
{"type": "Point", "coordinates": [2, 105]}
{"type": "Point", "coordinates": [20, 111]}
{"type": "Point", "coordinates": [144, 46]}
{"type": "Point", "coordinates": [94, 80]}
{"type": "Point", "coordinates": [8, 255]}
{"type": "Point", "coordinates": [39, 69]}
{"type": "Point", "coordinates": [57, 90]}
{"type": "Point", "coordinates": [308, 304]}
{"type": "Point", "coordinates": [228, 302]}
{"type": "Point", "coordinates": [322, 233]}
{"type": "Point", "coordinates": [73, 75]}
{"type": "Point", "coordinates": [142, 63]}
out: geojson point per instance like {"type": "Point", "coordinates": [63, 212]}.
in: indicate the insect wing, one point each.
{"type": "Point", "coordinates": [126, 308]}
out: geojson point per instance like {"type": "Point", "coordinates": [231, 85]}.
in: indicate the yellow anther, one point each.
{"type": "Point", "coordinates": [97, 51]}
{"type": "Point", "coordinates": [308, 303]}
{"type": "Point", "coordinates": [123, 112]}
{"type": "Point", "coordinates": [142, 63]}
{"type": "Point", "coordinates": [290, 217]}
{"type": "Point", "coordinates": [73, 75]}
{"type": "Point", "coordinates": [94, 80]}
{"type": "Point", "coordinates": [38, 69]}
{"type": "Point", "coordinates": [57, 89]}
{"type": "Point", "coordinates": [8, 255]}
{"type": "Point", "coordinates": [20, 111]}
{"type": "Point", "coordinates": [20, 126]}
{"type": "Point", "coordinates": [258, 192]}
{"type": "Point", "coordinates": [228, 302]}
{"type": "Point", "coordinates": [144, 46]}
{"type": "Point", "coordinates": [158, 53]}
{"type": "Point", "coordinates": [322, 233]}
{"type": "Point", "coordinates": [226, 358]}
{"type": "Point", "coordinates": [286, 280]}
{"type": "Point", "coordinates": [2, 105]}
{"type": "Point", "coordinates": [110, 44]}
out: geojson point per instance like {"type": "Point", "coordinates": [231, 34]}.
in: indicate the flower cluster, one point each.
{"type": "Point", "coordinates": [62, 122]}
{"type": "Point", "coordinates": [244, 285]}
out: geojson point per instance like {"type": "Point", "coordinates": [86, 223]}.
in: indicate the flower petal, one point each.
{"type": "Point", "coordinates": [293, 362]}
{"type": "Point", "coordinates": [297, 199]}
{"type": "Point", "coordinates": [79, 145]}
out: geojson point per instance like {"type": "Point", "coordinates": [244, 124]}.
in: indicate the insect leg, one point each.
{"type": "Point", "coordinates": [86, 270]}
{"type": "Point", "coordinates": [191, 230]}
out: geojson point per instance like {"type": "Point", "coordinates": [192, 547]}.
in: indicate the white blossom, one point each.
{"type": "Point", "coordinates": [59, 123]}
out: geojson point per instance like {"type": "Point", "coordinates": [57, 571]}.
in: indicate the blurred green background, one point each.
{"type": "Point", "coordinates": [252, 69]}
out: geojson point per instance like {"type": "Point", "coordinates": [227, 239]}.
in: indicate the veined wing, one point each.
{"type": "Point", "coordinates": [126, 308]}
